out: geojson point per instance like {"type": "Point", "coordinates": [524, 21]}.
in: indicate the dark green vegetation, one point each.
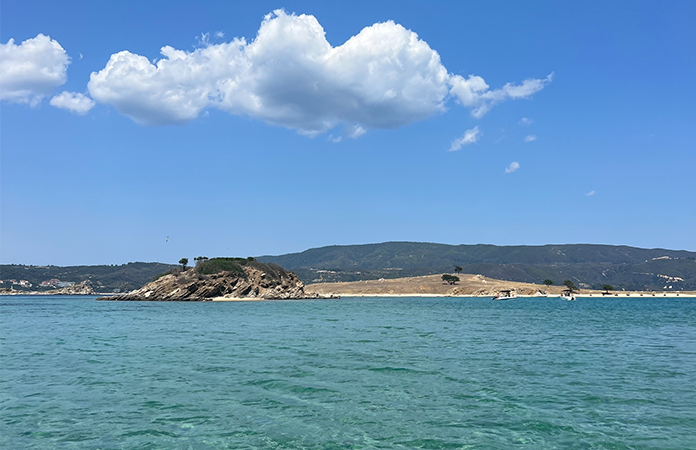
{"type": "Point", "coordinates": [235, 267]}
{"type": "Point", "coordinates": [216, 265]}
{"type": "Point", "coordinates": [570, 285]}
{"type": "Point", "coordinates": [450, 279]}
{"type": "Point", "coordinates": [125, 277]}
{"type": "Point", "coordinates": [588, 266]}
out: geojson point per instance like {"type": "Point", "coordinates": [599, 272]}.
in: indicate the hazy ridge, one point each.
{"type": "Point", "coordinates": [588, 265]}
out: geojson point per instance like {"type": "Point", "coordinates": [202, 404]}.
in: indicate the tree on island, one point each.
{"type": "Point", "coordinates": [548, 282]}
{"type": "Point", "coordinates": [450, 279]}
{"type": "Point", "coordinates": [183, 262]}
{"type": "Point", "coordinates": [570, 285]}
{"type": "Point", "coordinates": [199, 260]}
{"type": "Point", "coordinates": [607, 288]}
{"type": "Point", "coordinates": [458, 269]}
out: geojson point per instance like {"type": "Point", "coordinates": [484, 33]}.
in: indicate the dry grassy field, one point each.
{"type": "Point", "coordinates": [469, 285]}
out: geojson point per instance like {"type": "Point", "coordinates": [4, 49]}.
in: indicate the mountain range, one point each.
{"type": "Point", "coordinates": [587, 265]}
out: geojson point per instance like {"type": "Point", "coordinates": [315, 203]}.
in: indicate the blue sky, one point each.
{"type": "Point", "coordinates": [501, 123]}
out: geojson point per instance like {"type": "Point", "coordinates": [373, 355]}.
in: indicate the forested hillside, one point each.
{"type": "Point", "coordinates": [588, 265]}
{"type": "Point", "coordinates": [104, 278]}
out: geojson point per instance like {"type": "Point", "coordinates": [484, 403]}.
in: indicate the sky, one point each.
{"type": "Point", "coordinates": [152, 131]}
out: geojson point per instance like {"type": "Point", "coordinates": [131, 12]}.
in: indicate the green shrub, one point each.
{"type": "Point", "coordinates": [235, 267]}
{"type": "Point", "coordinates": [217, 265]}
{"type": "Point", "coordinates": [450, 279]}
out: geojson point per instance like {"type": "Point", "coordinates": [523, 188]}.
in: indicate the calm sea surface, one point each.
{"type": "Point", "coordinates": [431, 373]}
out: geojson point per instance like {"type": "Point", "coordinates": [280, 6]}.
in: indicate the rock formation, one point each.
{"type": "Point", "coordinates": [243, 280]}
{"type": "Point", "coordinates": [83, 288]}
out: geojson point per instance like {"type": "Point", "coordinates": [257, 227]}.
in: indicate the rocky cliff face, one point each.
{"type": "Point", "coordinates": [191, 285]}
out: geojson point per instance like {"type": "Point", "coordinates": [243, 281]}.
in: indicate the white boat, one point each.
{"type": "Point", "coordinates": [567, 295]}
{"type": "Point", "coordinates": [505, 295]}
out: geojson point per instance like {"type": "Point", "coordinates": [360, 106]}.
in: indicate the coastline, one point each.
{"type": "Point", "coordinates": [339, 295]}
{"type": "Point", "coordinates": [469, 285]}
{"type": "Point", "coordinates": [238, 299]}
{"type": "Point", "coordinates": [684, 294]}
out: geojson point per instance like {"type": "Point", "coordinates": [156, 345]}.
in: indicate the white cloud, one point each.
{"type": "Point", "coordinates": [290, 75]}
{"type": "Point", "coordinates": [470, 137]}
{"type": "Point", "coordinates": [512, 167]}
{"type": "Point", "coordinates": [174, 91]}
{"type": "Point", "coordinates": [355, 131]}
{"type": "Point", "coordinates": [526, 121]}
{"type": "Point", "coordinates": [352, 132]}
{"type": "Point", "coordinates": [530, 138]}
{"type": "Point", "coordinates": [591, 193]}
{"type": "Point", "coordinates": [474, 93]}
{"type": "Point", "coordinates": [73, 101]}
{"type": "Point", "coordinates": [31, 70]}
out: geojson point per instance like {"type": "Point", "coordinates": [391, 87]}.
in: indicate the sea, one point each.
{"type": "Point", "coordinates": [351, 373]}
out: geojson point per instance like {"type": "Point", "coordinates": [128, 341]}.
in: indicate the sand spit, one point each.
{"type": "Point", "coordinates": [468, 286]}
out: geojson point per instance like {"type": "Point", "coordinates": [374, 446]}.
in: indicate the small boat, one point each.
{"type": "Point", "coordinates": [505, 295]}
{"type": "Point", "coordinates": [567, 294]}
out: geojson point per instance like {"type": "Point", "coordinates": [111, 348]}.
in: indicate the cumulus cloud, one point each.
{"type": "Point", "coordinates": [31, 70]}
{"type": "Point", "coordinates": [73, 101]}
{"type": "Point", "coordinates": [290, 75]}
{"type": "Point", "coordinates": [473, 92]}
{"type": "Point", "coordinates": [512, 167]}
{"type": "Point", "coordinates": [526, 121]}
{"type": "Point", "coordinates": [470, 137]}
{"type": "Point", "coordinates": [530, 138]}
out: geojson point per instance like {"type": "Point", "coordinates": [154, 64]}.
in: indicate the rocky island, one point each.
{"type": "Point", "coordinates": [221, 279]}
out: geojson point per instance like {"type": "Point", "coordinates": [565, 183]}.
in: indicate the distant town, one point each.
{"type": "Point", "coordinates": [53, 283]}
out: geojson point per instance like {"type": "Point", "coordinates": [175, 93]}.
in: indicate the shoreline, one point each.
{"type": "Point", "coordinates": [337, 295]}
{"type": "Point", "coordinates": [686, 294]}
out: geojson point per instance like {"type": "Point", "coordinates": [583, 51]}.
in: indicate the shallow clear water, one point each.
{"type": "Point", "coordinates": [433, 373]}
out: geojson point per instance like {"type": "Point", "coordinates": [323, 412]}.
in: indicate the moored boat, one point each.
{"type": "Point", "coordinates": [567, 294]}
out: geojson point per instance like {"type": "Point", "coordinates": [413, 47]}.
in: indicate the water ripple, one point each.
{"type": "Point", "coordinates": [348, 374]}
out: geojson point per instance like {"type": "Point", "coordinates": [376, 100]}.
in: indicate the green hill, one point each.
{"type": "Point", "coordinates": [104, 278]}
{"type": "Point", "coordinates": [588, 265]}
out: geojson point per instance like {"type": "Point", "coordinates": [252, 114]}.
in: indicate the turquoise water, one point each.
{"type": "Point", "coordinates": [431, 373]}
